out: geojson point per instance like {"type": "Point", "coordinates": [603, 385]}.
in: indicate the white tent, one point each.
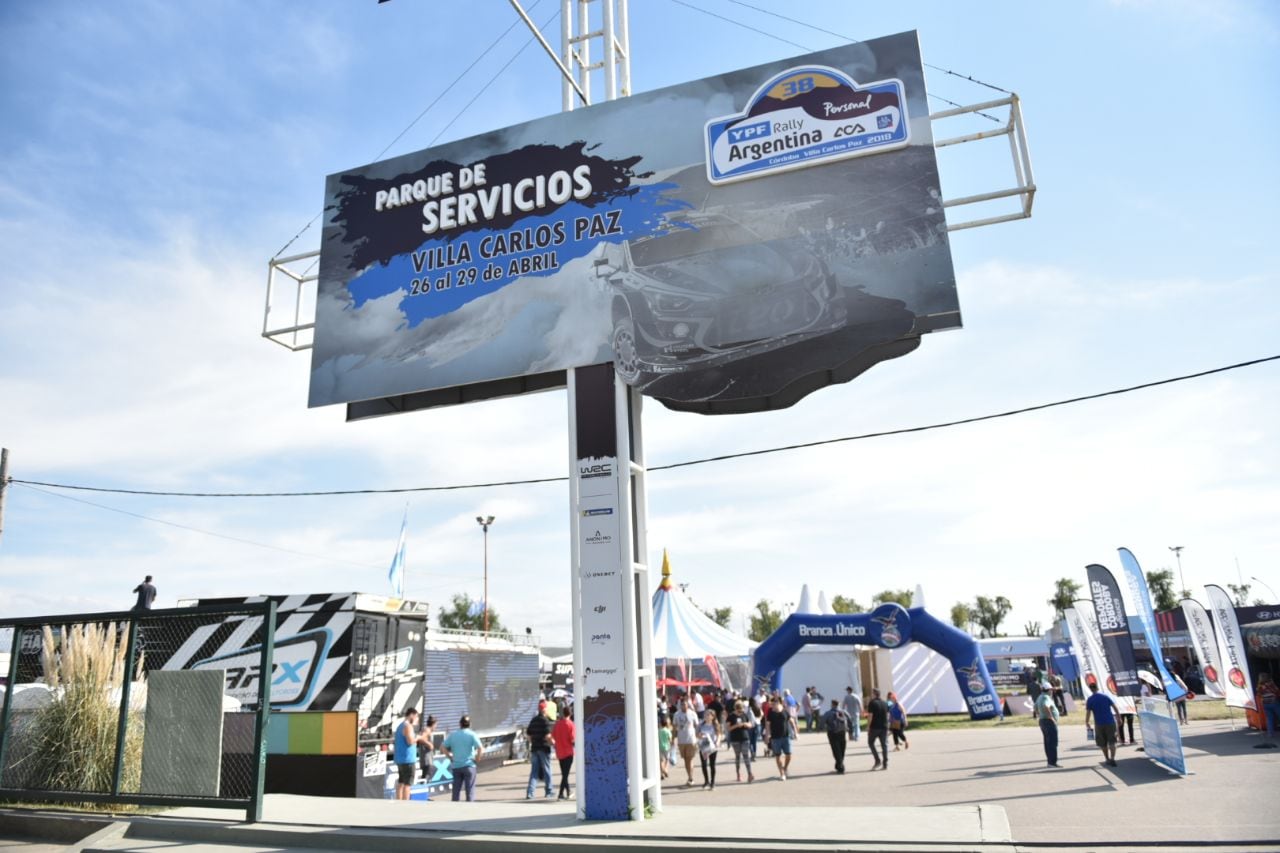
{"type": "Point", "coordinates": [692, 650]}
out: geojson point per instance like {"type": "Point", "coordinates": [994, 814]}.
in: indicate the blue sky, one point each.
{"type": "Point", "coordinates": [155, 155]}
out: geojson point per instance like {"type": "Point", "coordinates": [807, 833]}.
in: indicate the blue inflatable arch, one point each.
{"type": "Point", "coordinates": [888, 626]}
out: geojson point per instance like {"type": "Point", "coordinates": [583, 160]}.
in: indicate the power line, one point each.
{"type": "Point", "coordinates": [446, 90]}
{"type": "Point", "coordinates": [702, 461]}
{"type": "Point", "coordinates": [234, 538]}
{"type": "Point", "coordinates": [783, 17]}
{"type": "Point", "coordinates": [777, 37]}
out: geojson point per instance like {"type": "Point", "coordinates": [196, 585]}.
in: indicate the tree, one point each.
{"type": "Point", "coordinates": [1161, 585]}
{"type": "Point", "coordinates": [1241, 592]}
{"type": "Point", "coordinates": [990, 612]}
{"type": "Point", "coordinates": [962, 616]}
{"type": "Point", "coordinates": [897, 596]}
{"type": "Point", "coordinates": [1065, 591]}
{"type": "Point", "coordinates": [764, 621]}
{"type": "Point", "coordinates": [466, 614]}
{"type": "Point", "coordinates": [720, 615]}
{"type": "Point", "coordinates": [840, 604]}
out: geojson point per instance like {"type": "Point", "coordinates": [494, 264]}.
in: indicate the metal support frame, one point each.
{"type": "Point", "coordinates": [297, 336]}
{"type": "Point", "coordinates": [576, 37]}
{"type": "Point", "coordinates": [253, 813]}
{"type": "Point", "coordinates": [643, 775]}
{"type": "Point", "coordinates": [1024, 180]}
{"type": "Point", "coordinates": [126, 693]}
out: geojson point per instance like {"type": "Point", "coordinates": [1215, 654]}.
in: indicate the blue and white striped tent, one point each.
{"type": "Point", "coordinates": [690, 648]}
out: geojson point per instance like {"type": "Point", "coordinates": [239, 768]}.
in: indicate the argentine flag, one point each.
{"type": "Point", "coordinates": [396, 574]}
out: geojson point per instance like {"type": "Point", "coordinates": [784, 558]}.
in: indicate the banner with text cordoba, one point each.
{"type": "Point", "coordinates": [1206, 646]}
{"type": "Point", "coordinates": [1140, 610]}
{"type": "Point", "coordinates": [1083, 626]}
{"type": "Point", "coordinates": [1230, 647]}
{"type": "Point", "coordinates": [1113, 625]}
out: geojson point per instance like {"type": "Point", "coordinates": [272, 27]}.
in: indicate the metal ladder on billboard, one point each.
{"type": "Point", "coordinates": [628, 474]}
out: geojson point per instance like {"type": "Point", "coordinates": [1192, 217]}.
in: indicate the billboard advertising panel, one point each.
{"type": "Point", "coordinates": [731, 244]}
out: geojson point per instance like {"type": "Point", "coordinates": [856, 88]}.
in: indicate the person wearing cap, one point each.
{"type": "Point", "coordinates": [540, 743]}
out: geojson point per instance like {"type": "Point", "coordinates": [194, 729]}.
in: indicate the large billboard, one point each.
{"type": "Point", "coordinates": [731, 244]}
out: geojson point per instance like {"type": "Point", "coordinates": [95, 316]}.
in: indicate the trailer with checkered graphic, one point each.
{"type": "Point", "coordinates": [345, 668]}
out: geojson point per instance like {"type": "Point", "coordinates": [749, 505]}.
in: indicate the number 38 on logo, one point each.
{"type": "Point", "coordinates": [792, 86]}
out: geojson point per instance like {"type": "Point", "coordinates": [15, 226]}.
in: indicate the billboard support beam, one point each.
{"type": "Point", "coordinates": [1024, 179]}
{"type": "Point", "coordinates": [621, 511]}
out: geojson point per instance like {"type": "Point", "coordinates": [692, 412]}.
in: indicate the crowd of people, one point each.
{"type": "Point", "coordinates": [697, 726]}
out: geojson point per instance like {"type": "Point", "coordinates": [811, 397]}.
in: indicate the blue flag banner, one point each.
{"type": "Point", "coordinates": [1064, 663]}
{"type": "Point", "coordinates": [1162, 741]}
{"type": "Point", "coordinates": [396, 573]}
{"type": "Point", "coordinates": [1140, 611]}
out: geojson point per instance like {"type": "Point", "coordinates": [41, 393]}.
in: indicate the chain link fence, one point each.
{"type": "Point", "coordinates": [130, 708]}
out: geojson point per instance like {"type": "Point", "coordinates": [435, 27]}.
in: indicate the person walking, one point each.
{"type": "Point", "coordinates": [1181, 704]}
{"type": "Point", "coordinates": [709, 747]}
{"type": "Point", "coordinates": [146, 593]}
{"type": "Point", "coordinates": [897, 722]}
{"type": "Point", "coordinates": [405, 753]}
{"type": "Point", "coordinates": [664, 744]}
{"type": "Point", "coordinates": [462, 748]}
{"type": "Point", "coordinates": [686, 722]}
{"type": "Point", "coordinates": [562, 733]}
{"type": "Point", "coordinates": [1268, 697]}
{"type": "Point", "coordinates": [540, 743]}
{"type": "Point", "coordinates": [853, 710]}
{"type": "Point", "coordinates": [781, 729]}
{"type": "Point", "coordinates": [741, 724]}
{"type": "Point", "coordinates": [878, 730]}
{"type": "Point", "coordinates": [806, 709]}
{"type": "Point", "coordinates": [1102, 709]}
{"type": "Point", "coordinates": [1046, 711]}
{"type": "Point", "coordinates": [753, 709]}
{"type": "Point", "coordinates": [1059, 695]}
{"type": "Point", "coordinates": [836, 724]}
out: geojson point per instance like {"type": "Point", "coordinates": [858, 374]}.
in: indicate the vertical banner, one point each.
{"type": "Point", "coordinates": [1083, 625]}
{"type": "Point", "coordinates": [1206, 646]}
{"type": "Point", "coordinates": [603, 795]}
{"type": "Point", "coordinates": [1140, 609]}
{"type": "Point", "coordinates": [1230, 647]}
{"type": "Point", "coordinates": [1064, 662]}
{"type": "Point", "coordinates": [1113, 625]}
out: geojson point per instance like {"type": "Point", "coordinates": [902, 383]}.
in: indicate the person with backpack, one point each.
{"type": "Point", "coordinates": [836, 724]}
{"type": "Point", "coordinates": [540, 743]}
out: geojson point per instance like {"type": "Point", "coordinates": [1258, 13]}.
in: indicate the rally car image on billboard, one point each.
{"type": "Point", "coordinates": [711, 292]}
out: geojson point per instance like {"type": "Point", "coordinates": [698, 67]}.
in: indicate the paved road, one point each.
{"type": "Point", "coordinates": [1230, 796]}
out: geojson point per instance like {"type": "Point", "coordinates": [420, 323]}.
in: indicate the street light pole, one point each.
{"type": "Point", "coordinates": [1269, 589]}
{"type": "Point", "coordinates": [1177, 552]}
{"type": "Point", "coordinates": [484, 522]}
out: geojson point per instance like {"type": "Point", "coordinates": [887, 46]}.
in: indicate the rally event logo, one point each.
{"type": "Point", "coordinates": [1236, 677]}
{"type": "Point", "coordinates": [295, 669]}
{"type": "Point", "coordinates": [803, 116]}
{"type": "Point", "coordinates": [890, 636]}
{"type": "Point", "coordinates": [972, 679]}
{"type": "Point", "coordinates": [1211, 674]}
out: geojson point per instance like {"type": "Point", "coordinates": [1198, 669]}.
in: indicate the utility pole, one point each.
{"type": "Point", "coordinates": [1177, 552]}
{"type": "Point", "coordinates": [4, 484]}
{"type": "Point", "coordinates": [484, 523]}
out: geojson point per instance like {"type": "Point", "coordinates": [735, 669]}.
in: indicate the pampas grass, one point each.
{"type": "Point", "coordinates": [70, 745]}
